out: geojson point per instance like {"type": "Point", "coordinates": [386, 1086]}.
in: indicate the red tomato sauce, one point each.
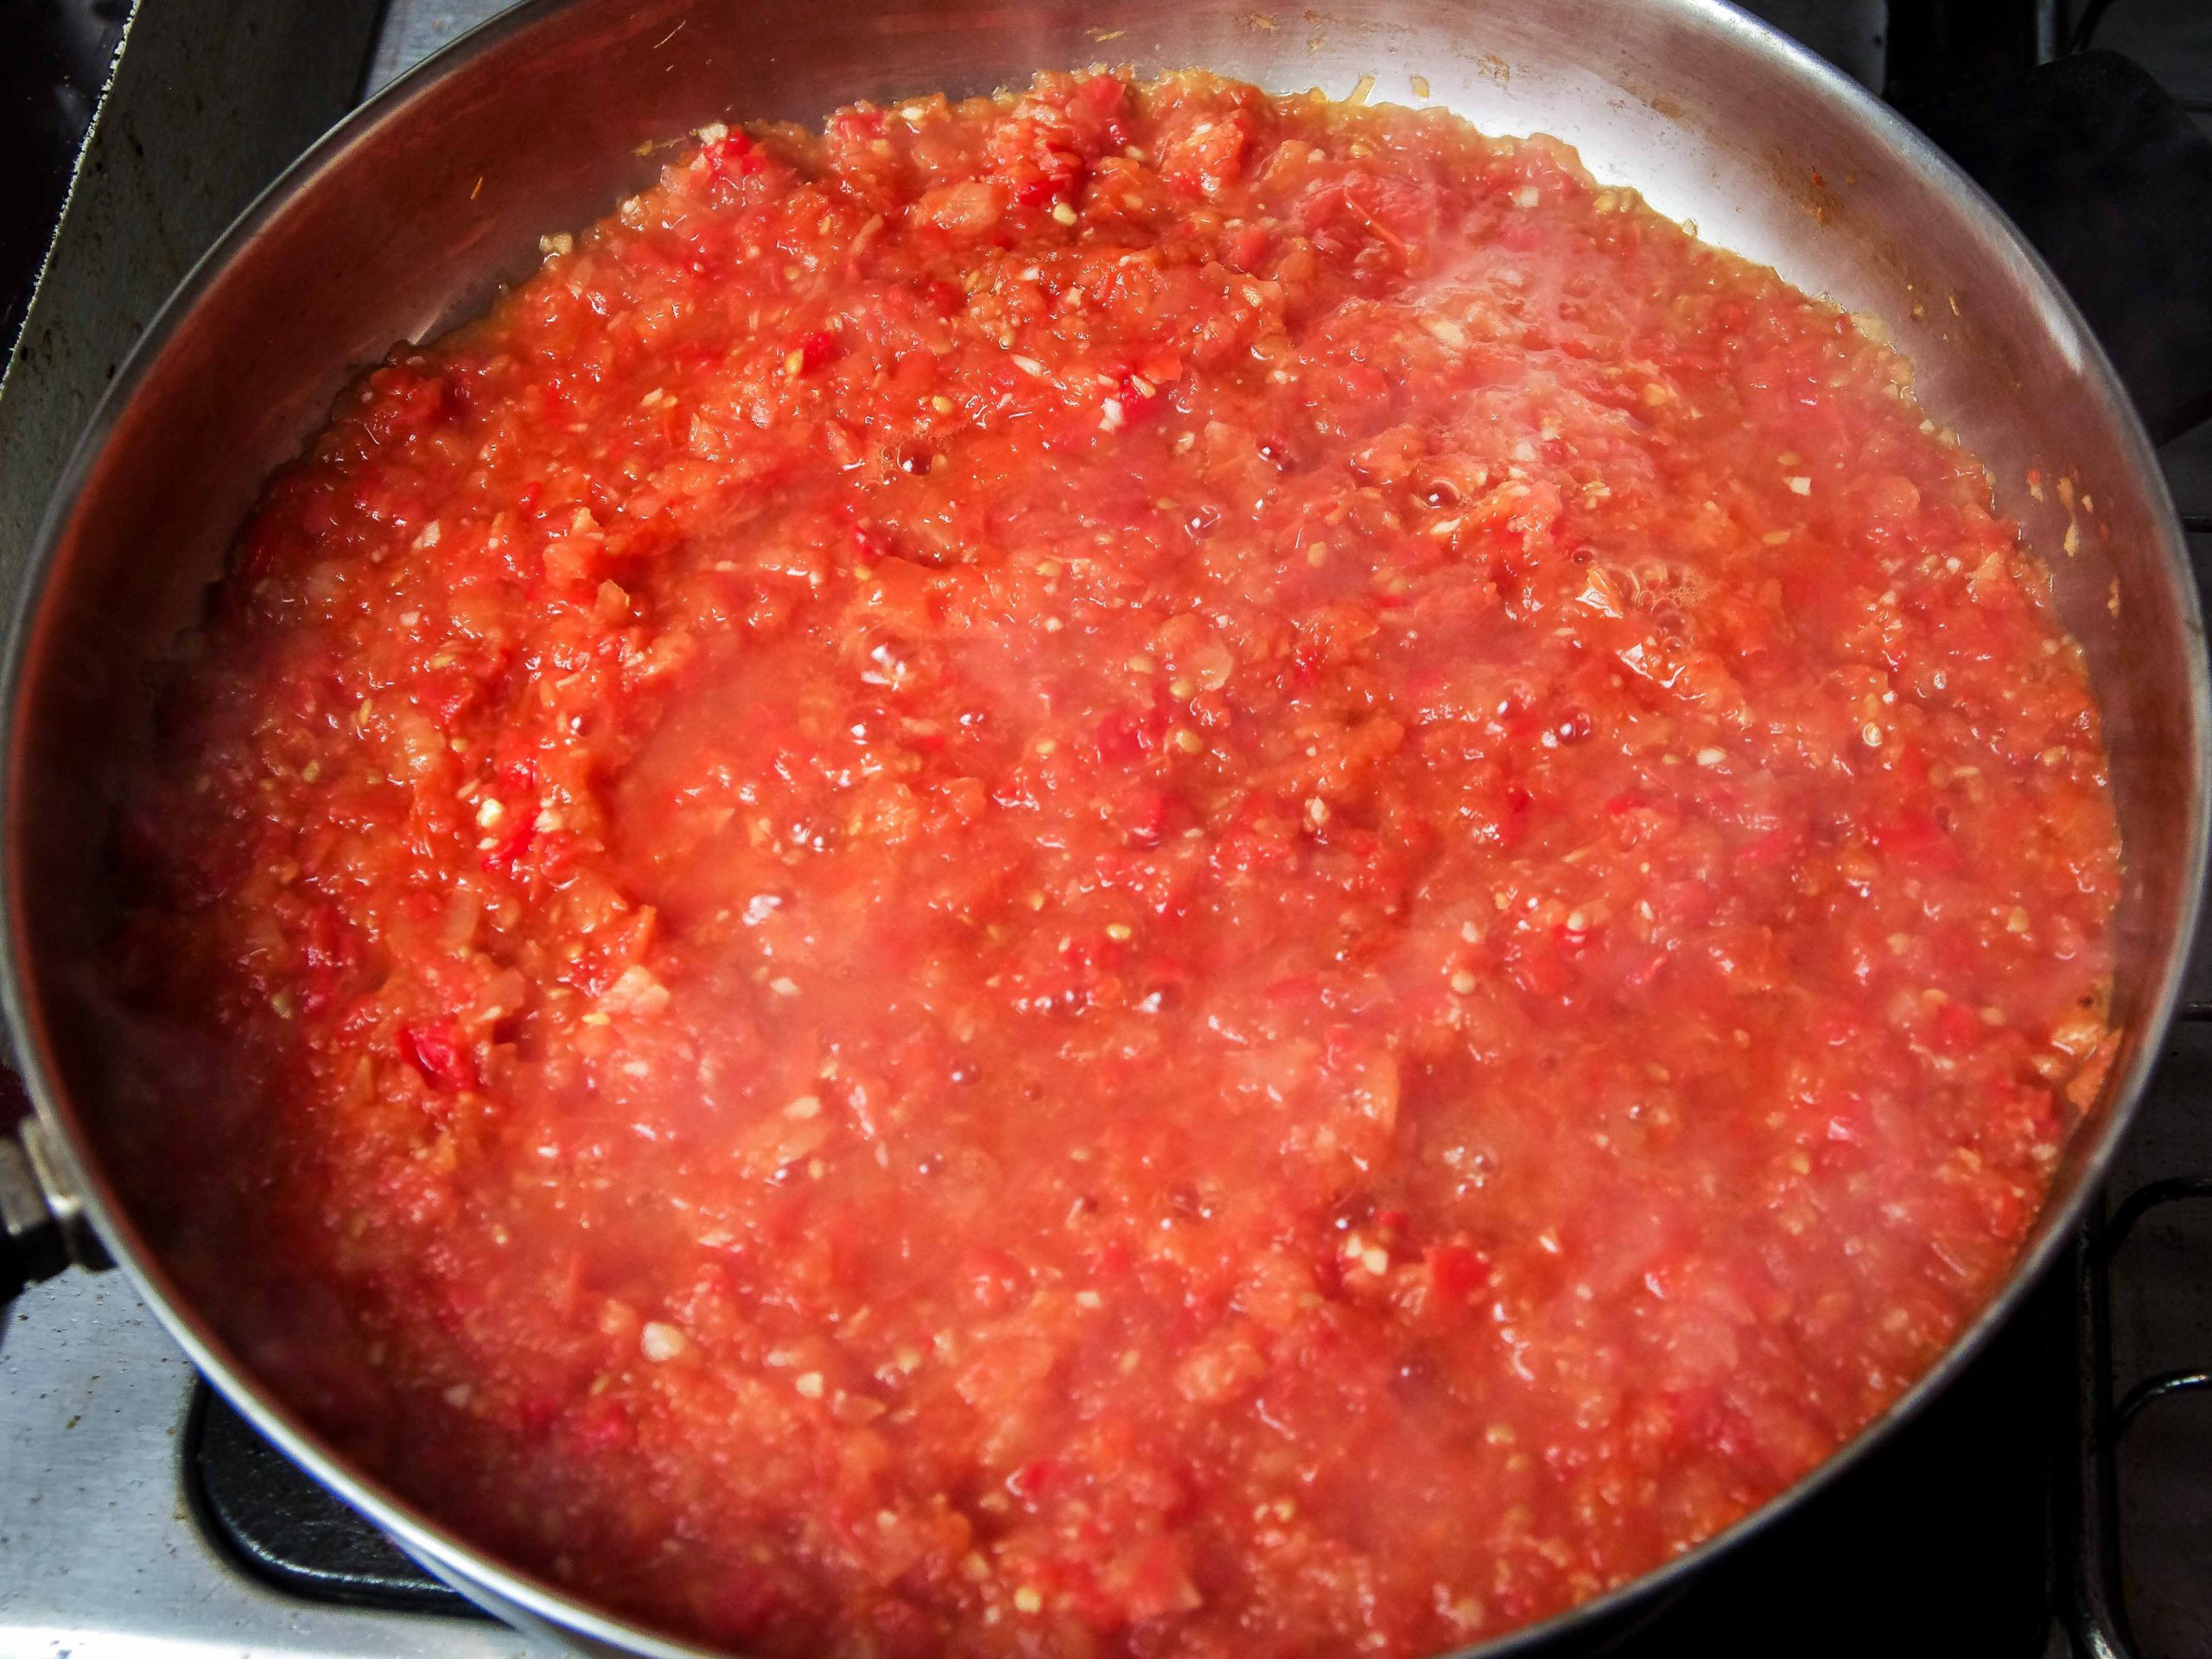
{"type": "Point", "coordinates": [1133, 871]}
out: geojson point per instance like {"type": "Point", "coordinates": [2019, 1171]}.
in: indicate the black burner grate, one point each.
{"type": "Point", "coordinates": [278, 1524]}
{"type": "Point", "coordinates": [2098, 1609]}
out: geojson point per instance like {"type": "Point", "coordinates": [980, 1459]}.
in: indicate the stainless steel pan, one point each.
{"type": "Point", "coordinates": [407, 216]}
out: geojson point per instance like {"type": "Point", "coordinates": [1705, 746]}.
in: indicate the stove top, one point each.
{"type": "Point", "coordinates": [140, 1518]}
{"type": "Point", "coordinates": [104, 1552]}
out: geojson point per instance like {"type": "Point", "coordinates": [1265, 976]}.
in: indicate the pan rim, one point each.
{"type": "Point", "coordinates": [516, 1595]}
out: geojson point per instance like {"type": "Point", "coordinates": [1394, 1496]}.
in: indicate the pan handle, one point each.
{"type": "Point", "coordinates": [43, 1227]}
{"type": "Point", "coordinates": [2111, 181]}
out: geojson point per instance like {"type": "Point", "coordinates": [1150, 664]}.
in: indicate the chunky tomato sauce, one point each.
{"type": "Point", "coordinates": [1130, 871]}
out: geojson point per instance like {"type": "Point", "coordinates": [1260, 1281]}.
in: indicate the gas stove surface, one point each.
{"type": "Point", "coordinates": [139, 1518]}
{"type": "Point", "coordinates": [102, 1553]}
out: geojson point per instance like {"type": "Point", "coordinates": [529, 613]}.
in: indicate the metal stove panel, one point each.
{"type": "Point", "coordinates": [103, 1557]}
